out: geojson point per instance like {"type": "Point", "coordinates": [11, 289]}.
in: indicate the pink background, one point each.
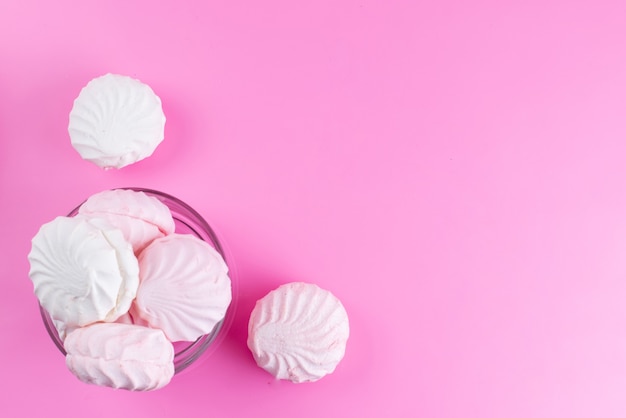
{"type": "Point", "coordinates": [454, 171]}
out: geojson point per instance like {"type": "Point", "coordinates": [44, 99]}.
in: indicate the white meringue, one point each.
{"type": "Point", "coordinates": [137, 232]}
{"type": "Point", "coordinates": [116, 121]}
{"type": "Point", "coordinates": [298, 332]}
{"type": "Point", "coordinates": [62, 328]}
{"type": "Point", "coordinates": [184, 287]}
{"type": "Point", "coordinates": [120, 356]}
{"type": "Point", "coordinates": [140, 217]}
{"type": "Point", "coordinates": [83, 271]}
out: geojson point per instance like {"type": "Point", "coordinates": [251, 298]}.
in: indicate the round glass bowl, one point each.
{"type": "Point", "coordinates": [187, 221]}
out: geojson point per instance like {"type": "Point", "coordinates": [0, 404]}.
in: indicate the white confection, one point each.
{"type": "Point", "coordinates": [62, 328]}
{"type": "Point", "coordinates": [120, 356]}
{"type": "Point", "coordinates": [298, 332]}
{"type": "Point", "coordinates": [83, 271]}
{"type": "Point", "coordinates": [137, 232]}
{"type": "Point", "coordinates": [184, 287]}
{"type": "Point", "coordinates": [132, 204]}
{"type": "Point", "coordinates": [116, 121]}
{"type": "Point", "coordinates": [140, 217]}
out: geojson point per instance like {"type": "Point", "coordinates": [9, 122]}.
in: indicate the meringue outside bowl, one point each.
{"type": "Point", "coordinates": [187, 221]}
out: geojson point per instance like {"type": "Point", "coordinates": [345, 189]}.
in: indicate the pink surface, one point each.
{"type": "Point", "coordinates": [453, 171]}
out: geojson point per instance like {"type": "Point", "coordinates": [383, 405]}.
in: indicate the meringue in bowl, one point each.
{"type": "Point", "coordinates": [186, 221]}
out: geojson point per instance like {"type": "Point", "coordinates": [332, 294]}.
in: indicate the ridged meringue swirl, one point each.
{"type": "Point", "coordinates": [184, 287]}
{"type": "Point", "coordinates": [298, 332]}
{"type": "Point", "coordinates": [115, 121]}
{"type": "Point", "coordinates": [131, 203]}
{"type": "Point", "coordinates": [120, 356]}
{"type": "Point", "coordinates": [83, 271]}
{"type": "Point", "coordinates": [140, 217]}
{"type": "Point", "coordinates": [137, 232]}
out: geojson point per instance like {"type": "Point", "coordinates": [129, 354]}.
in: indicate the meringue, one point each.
{"type": "Point", "coordinates": [184, 287]}
{"type": "Point", "coordinates": [120, 356]}
{"type": "Point", "coordinates": [298, 332]}
{"type": "Point", "coordinates": [116, 121]}
{"type": "Point", "coordinates": [140, 217]}
{"type": "Point", "coordinates": [62, 328]}
{"type": "Point", "coordinates": [83, 271]}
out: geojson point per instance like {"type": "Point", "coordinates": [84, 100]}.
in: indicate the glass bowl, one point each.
{"type": "Point", "coordinates": [187, 221]}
